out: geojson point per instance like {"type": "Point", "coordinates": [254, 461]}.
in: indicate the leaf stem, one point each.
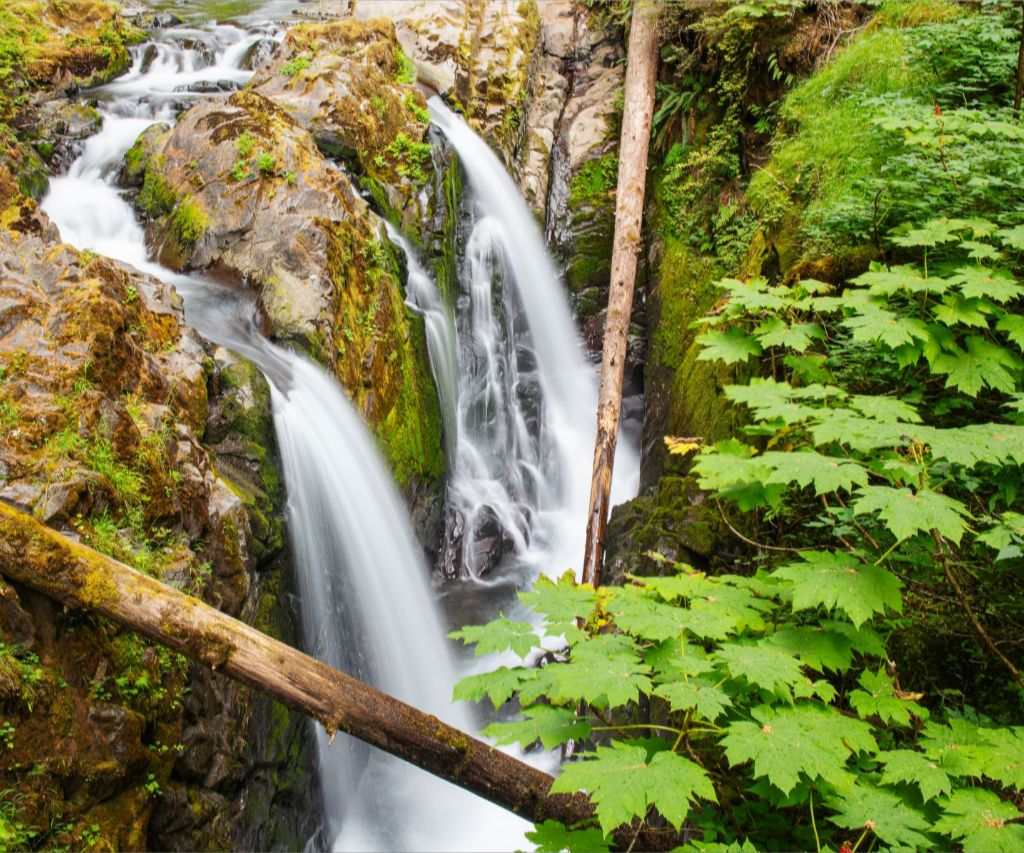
{"type": "Point", "coordinates": [814, 824]}
{"type": "Point", "coordinates": [859, 840]}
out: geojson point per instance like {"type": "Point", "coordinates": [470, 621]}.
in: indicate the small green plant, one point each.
{"type": "Point", "coordinates": [153, 786]}
{"type": "Point", "coordinates": [266, 163]}
{"type": "Point", "coordinates": [299, 63]}
{"type": "Point", "coordinates": [379, 104]}
{"type": "Point", "coordinates": [413, 106]}
{"type": "Point", "coordinates": [289, 178]}
{"type": "Point", "coordinates": [240, 171]}
{"type": "Point", "coordinates": [7, 732]}
{"type": "Point", "coordinates": [411, 159]}
{"type": "Point", "coordinates": [90, 835]}
{"type": "Point", "coordinates": [130, 295]}
{"type": "Point", "coordinates": [245, 144]}
{"type": "Point", "coordinates": [406, 72]}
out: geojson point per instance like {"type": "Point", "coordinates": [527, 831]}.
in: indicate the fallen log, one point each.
{"type": "Point", "coordinates": [638, 108]}
{"type": "Point", "coordinates": [44, 560]}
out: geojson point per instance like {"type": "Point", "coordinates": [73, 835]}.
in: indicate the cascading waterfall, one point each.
{"type": "Point", "coordinates": [527, 396]}
{"type": "Point", "coordinates": [365, 601]}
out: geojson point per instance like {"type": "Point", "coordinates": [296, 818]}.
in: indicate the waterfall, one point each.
{"type": "Point", "coordinates": [527, 397]}
{"type": "Point", "coordinates": [365, 600]}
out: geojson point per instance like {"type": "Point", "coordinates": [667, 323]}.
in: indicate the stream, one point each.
{"type": "Point", "coordinates": [518, 399]}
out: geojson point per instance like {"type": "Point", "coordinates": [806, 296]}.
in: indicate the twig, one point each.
{"type": "Point", "coordinates": [953, 582]}
{"type": "Point", "coordinates": [760, 545]}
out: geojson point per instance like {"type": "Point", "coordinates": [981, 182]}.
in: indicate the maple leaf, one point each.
{"type": "Point", "coordinates": [552, 837]}
{"type": "Point", "coordinates": [878, 698]}
{"type": "Point", "coordinates": [978, 819]}
{"type": "Point", "coordinates": [838, 581]}
{"type": "Point", "coordinates": [797, 337]}
{"type": "Point", "coordinates": [826, 473]}
{"type": "Point", "coordinates": [1000, 755]}
{"type": "Point", "coordinates": [1013, 325]}
{"type": "Point", "coordinates": [730, 346]}
{"type": "Point", "coordinates": [818, 647]}
{"type": "Point", "coordinates": [983, 365]}
{"type": "Point", "coordinates": [561, 602]}
{"type": "Point", "coordinates": [551, 726]}
{"type": "Point", "coordinates": [642, 617]}
{"type": "Point", "coordinates": [887, 410]}
{"type": "Point", "coordinates": [806, 738]}
{"type": "Point", "coordinates": [906, 512]}
{"type": "Point", "coordinates": [499, 685]}
{"type": "Point", "coordinates": [932, 233]}
{"type": "Point", "coordinates": [986, 283]}
{"type": "Point", "coordinates": [884, 812]}
{"type": "Point", "coordinates": [604, 670]}
{"type": "Point", "coordinates": [906, 765]}
{"type": "Point", "coordinates": [623, 784]}
{"type": "Point", "coordinates": [707, 699]}
{"type": "Point", "coordinates": [499, 635]}
{"type": "Point", "coordinates": [762, 664]}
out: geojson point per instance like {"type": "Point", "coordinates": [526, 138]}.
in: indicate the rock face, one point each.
{"type": "Point", "coordinates": [105, 396]}
{"type": "Point", "coordinates": [240, 186]}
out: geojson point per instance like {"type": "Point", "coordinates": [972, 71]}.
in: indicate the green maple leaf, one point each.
{"type": "Point", "coordinates": [826, 473]}
{"type": "Point", "coordinates": [604, 670]}
{"type": "Point", "coordinates": [977, 251]}
{"type": "Point", "coordinates": [806, 738]}
{"type": "Point", "coordinates": [499, 635]}
{"type": "Point", "coordinates": [798, 337]}
{"type": "Point", "coordinates": [818, 647]}
{"type": "Point", "coordinates": [906, 512]}
{"type": "Point", "coordinates": [771, 400]}
{"type": "Point", "coordinates": [955, 309]}
{"type": "Point", "coordinates": [878, 698]}
{"type": "Point", "coordinates": [986, 283]}
{"type": "Point", "coordinates": [843, 426]}
{"type": "Point", "coordinates": [983, 365]}
{"type": "Point", "coordinates": [730, 346]}
{"type": "Point", "coordinates": [978, 820]}
{"type": "Point", "coordinates": [905, 765]}
{"type": "Point", "coordinates": [551, 726]}
{"type": "Point", "coordinates": [951, 745]}
{"type": "Point", "coordinates": [1013, 237]}
{"type": "Point", "coordinates": [886, 282]}
{"type": "Point", "coordinates": [499, 685]}
{"type": "Point", "coordinates": [839, 581]}
{"type": "Point", "coordinates": [888, 410]}
{"type": "Point", "coordinates": [874, 323]}
{"type": "Point", "coordinates": [673, 660]}
{"type": "Point", "coordinates": [1013, 325]}
{"type": "Point", "coordinates": [561, 602]}
{"type": "Point", "coordinates": [884, 812]}
{"type": "Point", "coordinates": [706, 698]}
{"type": "Point", "coordinates": [1000, 756]}
{"type": "Point", "coordinates": [932, 233]}
{"type": "Point", "coordinates": [681, 586]}
{"type": "Point", "coordinates": [762, 664]}
{"type": "Point", "coordinates": [642, 617]}
{"type": "Point", "coordinates": [552, 837]}
{"type": "Point", "coordinates": [623, 784]}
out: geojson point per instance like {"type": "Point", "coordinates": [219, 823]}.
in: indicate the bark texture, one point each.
{"type": "Point", "coordinates": [641, 70]}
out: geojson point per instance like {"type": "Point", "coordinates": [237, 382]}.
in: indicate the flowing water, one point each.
{"type": "Point", "coordinates": [517, 398]}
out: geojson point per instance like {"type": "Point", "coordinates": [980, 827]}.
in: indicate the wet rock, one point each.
{"type": "Point", "coordinates": [478, 55]}
{"type": "Point", "coordinates": [149, 142]}
{"type": "Point", "coordinates": [163, 20]}
{"type": "Point", "coordinates": [239, 185]}
{"type": "Point", "coordinates": [209, 87]}
{"type": "Point", "coordinates": [674, 519]}
{"type": "Point", "coordinates": [259, 54]}
{"type": "Point", "coordinates": [61, 130]}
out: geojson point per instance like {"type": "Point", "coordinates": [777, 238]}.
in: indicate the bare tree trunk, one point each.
{"type": "Point", "coordinates": [40, 558]}
{"type": "Point", "coordinates": [1018, 94]}
{"type": "Point", "coordinates": [641, 69]}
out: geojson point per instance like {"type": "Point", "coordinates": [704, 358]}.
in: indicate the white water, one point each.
{"type": "Point", "coordinates": [365, 601]}
{"type": "Point", "coordinates": [527, 396]}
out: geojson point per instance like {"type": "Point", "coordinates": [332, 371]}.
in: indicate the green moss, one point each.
{"type": "Point", "coordinates": [592, 207]}
{"type": "Point", "coordinates": [299, 63]}
{"type": "Point", "coordinates": [190, 223]}
{"type": "Point", "coordinates": [406, 72]}
{"type": "Point", "coordinates": [156, 198]}
{"type": "Point", "coordinates": [410, 159]}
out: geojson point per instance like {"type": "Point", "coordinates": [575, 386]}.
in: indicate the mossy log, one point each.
{"type": "Point", "coordinates": [637, 112]}
{"type": "Point", "coordinates": [41, 558]}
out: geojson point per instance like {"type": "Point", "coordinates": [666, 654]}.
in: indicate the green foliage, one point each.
{"type": "Point", "coordinates": [406, 73]}
{"type": "Point", "coordinates": [266, 163]}
{"type": "Point", "coordinates": [296, 65]}
{"type": "Point", "coordinates": [410, 159]}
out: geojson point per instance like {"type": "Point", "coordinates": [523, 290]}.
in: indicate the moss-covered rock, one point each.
{"type": "Point", "coordinates": [673, 519]}
{"type": "Point", "coordinates": [350, 84]}
{"type": "Point", "coordinates": [239, 185]}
